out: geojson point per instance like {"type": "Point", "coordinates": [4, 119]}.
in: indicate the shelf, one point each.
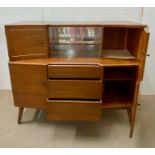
{"type": "Point", "coordinates": [116, 105]}
{"type": "Point", "coordinates": [117, 54]}
{"type": "Point", "coordinates": [111, 101]}
{"type": "Point", "coordinates": [116, 99]}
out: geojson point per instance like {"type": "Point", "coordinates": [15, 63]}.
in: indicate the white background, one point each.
{"type": "Point", "coordinates": [137, 14]}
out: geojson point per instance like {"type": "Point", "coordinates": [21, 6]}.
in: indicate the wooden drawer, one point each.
{"type": "Point", "coordinates": [75, 71]}
{"type": "Point", "coordinates": [75, 89]}
{"type": "Point", "coordinates": [74, 110]}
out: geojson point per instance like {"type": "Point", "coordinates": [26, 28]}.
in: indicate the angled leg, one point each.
{"type": "Point", "coordinates": [133, 110]}
{"type": "Point", "coordinates": [20, 114]}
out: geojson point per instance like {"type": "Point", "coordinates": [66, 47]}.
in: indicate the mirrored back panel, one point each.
{"type": "Point", "coordinates": [75, 41]}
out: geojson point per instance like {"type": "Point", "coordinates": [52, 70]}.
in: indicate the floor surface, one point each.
{"type": "Point", "coordinates": [112, 131]}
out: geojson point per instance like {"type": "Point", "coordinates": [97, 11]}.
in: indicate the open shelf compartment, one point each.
{"type": "Point", "coordinates": [99, 41]}
{"type": "Point", "coordinates": [120, 73]}
{"type": "Point", "coordinates": [121, 43]}
{"type": "Point", "coordinates": [118, 94]}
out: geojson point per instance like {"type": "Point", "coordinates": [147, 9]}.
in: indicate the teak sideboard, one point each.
{"type": "Point", "coordinates": [75, 70]}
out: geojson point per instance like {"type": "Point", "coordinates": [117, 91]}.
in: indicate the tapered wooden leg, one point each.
{"type": "Point", "coordinates": [20, 114]}
{"type": "Point", "coordinates": [133, 110]}
{"type": "Point", "coordinates": [132, 124]}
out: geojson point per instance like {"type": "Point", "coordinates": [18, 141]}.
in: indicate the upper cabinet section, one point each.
{"type": "Point", "coordinates": [114, 40]}
{"type": "Point", "coordinates": [100, 41]}
{"type": "Point", "coordinates": [27, 42]}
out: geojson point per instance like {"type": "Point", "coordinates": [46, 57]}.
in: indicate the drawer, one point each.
{"type": "Point", "coordinates": [74, 110]}
{"type": "Point", "coordinates": [75, 71]}
{"type": "Point", "coordinates": [75, 89]}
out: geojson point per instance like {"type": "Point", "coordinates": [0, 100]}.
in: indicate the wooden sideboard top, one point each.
{"type": "Point", "coordinates": [97, 61]}
{"type": "Point", "coordinates": [83, 23]}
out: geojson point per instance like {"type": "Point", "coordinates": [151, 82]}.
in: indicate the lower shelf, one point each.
{"type": "Point", "coordinates": [116, 105]}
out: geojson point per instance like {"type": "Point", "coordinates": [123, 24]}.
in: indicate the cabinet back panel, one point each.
{"type": "Point", "coordinates": [114, 38]}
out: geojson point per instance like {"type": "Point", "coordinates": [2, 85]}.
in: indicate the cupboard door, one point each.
{"type": "Point", "coordinates": [29, 85]}
{"type": "Point", "coordinates": [143, 52]}
{"type": "Point", "coordinates": [27, 42]}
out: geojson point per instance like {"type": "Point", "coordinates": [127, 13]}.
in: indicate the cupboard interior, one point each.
{"type": "Point", "coordinates": [86, 41]}
{"type": "Point", "coordinates": [119, 85]}
{"type": "Point", "coordinates": [118, 93]}
{"type": "Point", "coordinates": [120, 73]}
{"type": "Point", "coordinates": [120, 42]}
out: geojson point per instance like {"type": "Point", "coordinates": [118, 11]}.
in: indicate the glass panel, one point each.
{"type": "Point", "coordinates": [75, 41]}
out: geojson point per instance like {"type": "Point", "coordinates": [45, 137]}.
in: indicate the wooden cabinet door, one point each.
{"type": "Point", "coordinates": [29, 85]}
{"type": "Point", "coordinates": [143, 51]}
{"type": "Point", "coordinates": [27, 42]}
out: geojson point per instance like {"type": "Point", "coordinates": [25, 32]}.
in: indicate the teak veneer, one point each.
{"type": "Point", "coordinates": [74, 70]}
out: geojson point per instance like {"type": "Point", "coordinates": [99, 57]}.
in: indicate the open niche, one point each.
{"type": "Point", "coordinates": [120, 43]}
{"type": "Point", "coordinates": [87, 41]}
{"type": "Point", "coordinates": [118, 94]}
{"type": "Point", "coordinates": [119, 86]}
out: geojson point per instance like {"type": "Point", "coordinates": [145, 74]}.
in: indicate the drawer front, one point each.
{"type": "Point", "coordinates": [75, 71]}
{"type": "Point", "coordinates": [72, 110]}
{"type": "Point", "coordinates": [75, 89]}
